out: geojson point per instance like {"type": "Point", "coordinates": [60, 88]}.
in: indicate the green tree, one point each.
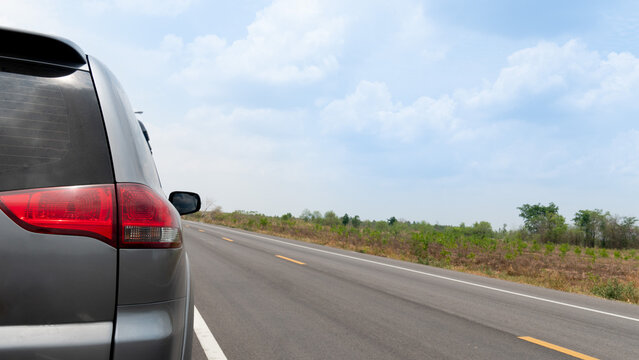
{"type": "Point", "coordinates": [392, 221]}
{"type": "Point", "coordinates": [316, 216]}
{"type": "Point", "coordinates": [592, 223]}
{"type": "Point", "coordinates": [345, 219]}
{"type": "Point", "coordinates": [306, 215]}
{"type": "Point", "coordinates": [355, 221]}
{"type": "Point", "coordinates": [619, 232]}
{"type": "Point", "coordinates": [604, 230]}
{"type": "Point", "coordinates": [483, 229]}
{"type": "Point", "coordinates": [543, 220]}
{"type": "Point", "coordinates": [330, 218]}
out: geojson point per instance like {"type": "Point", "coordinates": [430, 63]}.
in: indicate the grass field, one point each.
{"type": "Point", "coordinates": [510, 255]}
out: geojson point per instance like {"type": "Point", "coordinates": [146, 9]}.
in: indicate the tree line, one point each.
{"type": "Point", "coordinates": [542, 223]}
{"type": "Point", "coordinates": [591, 228]}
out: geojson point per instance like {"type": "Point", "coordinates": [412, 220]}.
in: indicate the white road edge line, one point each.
{"type": "Point", "coordinates": [207, 340]}
{"type": "Point", "coordinates": [443, 277]}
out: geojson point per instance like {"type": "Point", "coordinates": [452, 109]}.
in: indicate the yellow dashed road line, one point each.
{"type": "Point", "coordinates": [291, 260]}
{"type": "Point", "coordinates": [557, 348]}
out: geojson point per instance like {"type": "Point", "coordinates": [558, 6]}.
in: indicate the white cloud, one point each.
{"type": "Point", "coordinates": [546, 66]}
{"type": "Point", "coordinates": [579, 78]}
{"type": "Point", "coordinates": [370, 109]}
{"type": "Point", "coordinates": [618, 81]}
{"type": "Point", "coordinates": [204, 48]}
{"type": "Point", "coordinates": [290, 41]}
{"type": "Point", "coordinates": [567, 79]}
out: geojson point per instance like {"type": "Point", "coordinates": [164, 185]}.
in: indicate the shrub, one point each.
{"type": "Point", "coordinates": [535, 246]}
{"type": "Point", "coordinates": [330, 218]}
{"type": "Point", "coordinates": [482, 229]}
{"type": "Point", "coordinates": [563, 249]}
{"type": "Point", "coordinates": [549, 248]}
{"type": "Point", "coordinates": [613, 289]}
{"type": "Point", "coordinates": [521, 246]}
{"type": "Point", "coordinates": [287, 216]}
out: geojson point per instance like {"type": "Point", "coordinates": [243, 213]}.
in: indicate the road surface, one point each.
{"type": "Point", "coordinates": [264, 297]}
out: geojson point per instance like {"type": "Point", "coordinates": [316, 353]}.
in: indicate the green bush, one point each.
{"type": "Point", "coordinates": [563, 249]}
{"type": "Point", "coordinates": [535, 246]}
{"type": "Point", "coordinates": [330, 218]}
{"type": "Point", "coordinates": [549, 248]}
{"type": "Point", "coordinates": [613, 289]}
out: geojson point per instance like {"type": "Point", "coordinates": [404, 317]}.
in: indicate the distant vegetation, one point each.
{"type": "Point", "coordinates": [592, 228]}
{"type": "Point", "coordinates": [596, 254]}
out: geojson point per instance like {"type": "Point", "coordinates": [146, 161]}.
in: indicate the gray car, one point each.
{"type": "Point", "coordinates": [92, 263]}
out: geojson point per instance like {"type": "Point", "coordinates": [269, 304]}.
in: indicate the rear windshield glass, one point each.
{"type": "Point", "coordinates": [51, 129]}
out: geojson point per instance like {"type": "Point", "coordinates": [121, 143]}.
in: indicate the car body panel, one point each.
{"type": "Point", "coordinates": [130, 153]}
{"type": "Point", "coordinates": [64, 342]}
{"type": "Point", "coordinates": [151, 275]}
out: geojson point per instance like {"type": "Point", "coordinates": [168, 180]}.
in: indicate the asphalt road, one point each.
{"type": "Point", "coordinates": [265, 297]}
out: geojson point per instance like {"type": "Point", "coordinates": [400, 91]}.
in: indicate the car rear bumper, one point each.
{"type": "Point", "coordinates": [63, 341]}
{"type": "Point", "coordinates": [150, 331]}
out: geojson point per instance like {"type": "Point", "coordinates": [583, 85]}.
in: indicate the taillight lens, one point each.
{"type": "Point", "coordinates": [147, 219]}
{"type": "Point", "coordinates": [72, 210]}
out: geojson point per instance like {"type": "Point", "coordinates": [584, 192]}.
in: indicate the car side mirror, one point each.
{"type": "Point", "coordinates": [185, 202]}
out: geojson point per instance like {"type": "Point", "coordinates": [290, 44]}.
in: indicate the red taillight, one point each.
{"type": "Point", "coordinates": [73, 210]}
{"type": "Point", "coordinates": [147, 220]}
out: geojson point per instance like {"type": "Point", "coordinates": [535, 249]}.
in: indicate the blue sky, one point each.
{"type": "Point", "coordinates": [443, 111]}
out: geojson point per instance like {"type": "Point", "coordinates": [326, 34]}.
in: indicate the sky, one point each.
{"type": "Point", "coordinates": [439, 111]}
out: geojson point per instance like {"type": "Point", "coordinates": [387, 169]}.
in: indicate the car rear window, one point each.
{"type": "Point", "coordinates": [51, 129]}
